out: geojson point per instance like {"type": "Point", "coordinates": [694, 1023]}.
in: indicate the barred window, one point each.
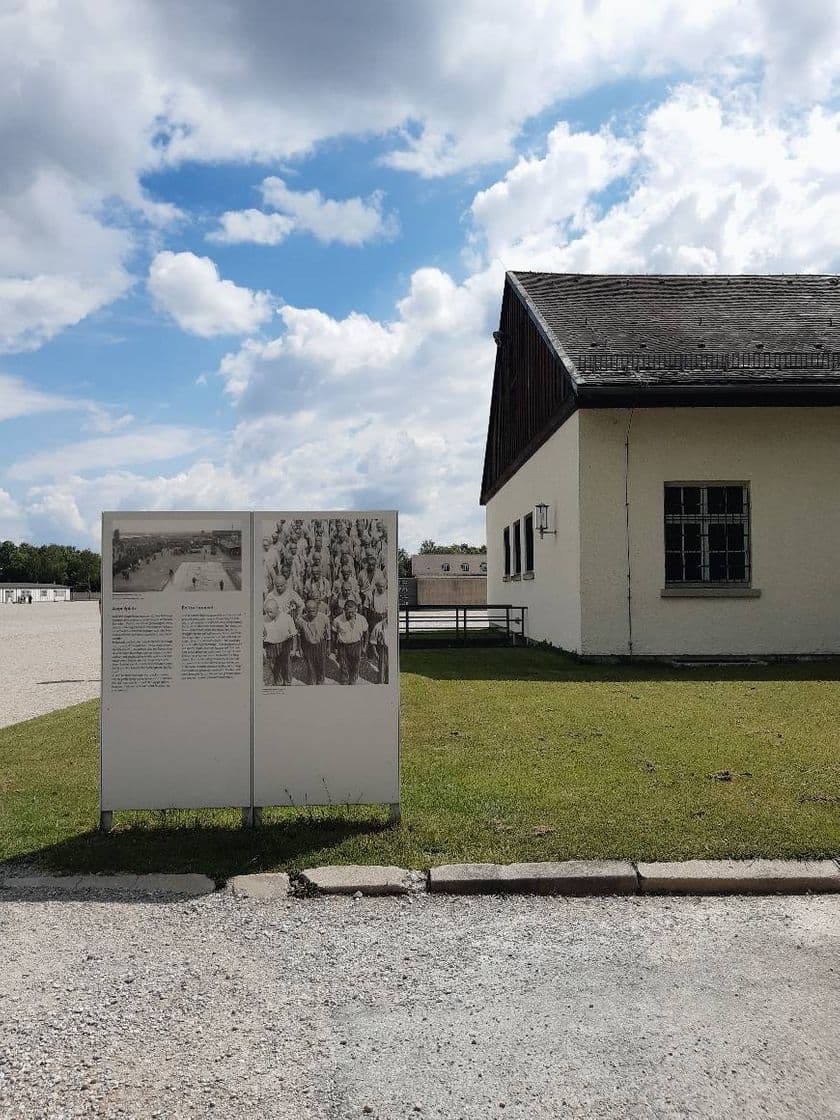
{"type": "Point", "coordinates": [506, 546]}
{"type": "Point", "coordinates": [707, 533]}
{"type": "Point", "coordinates": [444, 567]}
{"type": "Point", "coordinates": [517, 548]}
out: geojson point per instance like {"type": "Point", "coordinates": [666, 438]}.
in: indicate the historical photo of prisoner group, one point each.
{"type": "Point", "coordinates": [197, 558]}
{"type": "Point", "coordinates": [325, 601]}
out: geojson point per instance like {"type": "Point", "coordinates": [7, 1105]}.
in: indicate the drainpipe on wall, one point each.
{"type": "Point", "coordinates": [627, 533]}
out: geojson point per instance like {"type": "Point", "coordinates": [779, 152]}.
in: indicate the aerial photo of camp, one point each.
{"type": "Point", "coordinates": [197, 559]}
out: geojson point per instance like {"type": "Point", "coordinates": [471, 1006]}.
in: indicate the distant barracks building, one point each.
{"type": "Point", "coordinates": [448, 564]}
{"type": "Point", "coordinates": [449, 578]}
{"type": "Point", "coordinates": [662, 470]}
{"type": "Point", "coordinates": [36, 592]}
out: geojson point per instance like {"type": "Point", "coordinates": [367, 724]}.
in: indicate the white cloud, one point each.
{"type": "Point", "coordinates": [354, 408]}
{"type": "Point", "coordinates": [334, 412]}
{"type": "Point", "coordinates": [56, 507]}
{"type": "Point", "coordinates": [255, 226]}
{"type": "Point", "coordinates": [14, 523]}
{"type": "Point", "coordinates": [17, 399]}
{"type": "Point", "coordinates": [142, 445]}
{"type": "Point", "coordinates": [352, 221]}
{"type": "Point", "coordinates": [101, 419]}
{"type": "Point", "coordinates": [96, 95]}
{"type": "Point", "coordinates": [34, 308]}
{"type": "Point", "coordinates": [190, 289]}
{"type": "Point", "coordinates": [550, 192]}
{"type": "Point", "coordinates": [716, 185]}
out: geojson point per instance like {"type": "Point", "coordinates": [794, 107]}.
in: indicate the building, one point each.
{"type": "Point", "coordinates": [450, 578]}
{"type": "Point", "coordinates": [449, 564]}
{"type": "Point", "coordinates": [20, 592]}
{"type": "Point", "coordinates": [662, 470]}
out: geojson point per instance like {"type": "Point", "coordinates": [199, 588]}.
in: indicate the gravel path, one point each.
{"type": "Point", "coordinates": [49, 658]}
{"type": "Point", "coordinates": [468, 1007]}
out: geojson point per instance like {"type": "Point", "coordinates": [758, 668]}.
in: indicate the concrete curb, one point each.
{"type": "Point", "coordinates": [266, 885]}
{"type": "Point", "coordinates": [81, 886]}
{"type": "Point", "coordinates": [571, 877]}
{"type": "Point", "coordinates": [730, 876]}
{"type": "Point", "coordinates": [359, 879]}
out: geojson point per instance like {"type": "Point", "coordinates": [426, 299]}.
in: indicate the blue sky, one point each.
{"type": "Point", "coordinates": [251, 254]}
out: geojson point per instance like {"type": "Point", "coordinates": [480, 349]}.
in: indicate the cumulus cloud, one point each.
{"type": "Point", "coordinates": [190, 289]}
{"type": "Point", "coordinates": [352, 221]}
{"type": "Point", "coordinates": [550, 192]}
{"type": "Point", "coordinates": [97, 95]}
{"type": "Point", "coordinates": [254, 226]}
{"type": "Point", "coordinates": [741, 174]}
{"type": "Point", "coordinates": [715, 185]}
{"type": "Point", "coordinates": [35, 308]}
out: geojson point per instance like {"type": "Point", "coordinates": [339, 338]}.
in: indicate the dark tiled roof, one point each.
{"type": "Point", "coordinates": [688, 330]}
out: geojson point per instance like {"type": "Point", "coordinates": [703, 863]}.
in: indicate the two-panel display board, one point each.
{"type": "Point", "coordinates": [249, 659]}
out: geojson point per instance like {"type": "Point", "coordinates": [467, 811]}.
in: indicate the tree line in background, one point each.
{"type": "Point", "coordinates": [427, 546]}
{"type": "Point", "coordinates": [80, 568]}
{"type": "Point", "coordinates": [50, 563]}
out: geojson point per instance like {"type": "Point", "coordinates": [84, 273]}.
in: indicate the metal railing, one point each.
{"type": "Point", "coordinates": [708, 359]}
{"type": "Point", "coordinates": [445, 625]}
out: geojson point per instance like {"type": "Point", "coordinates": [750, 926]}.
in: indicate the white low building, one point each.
{"type": "Point", "coordinates": [21, 592]}
{"type": "Point", "coordinates": [662, 474]}
{"type": "Point", "coordinates": [448, 564]}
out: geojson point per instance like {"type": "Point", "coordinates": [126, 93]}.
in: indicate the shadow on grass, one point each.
{"type": "Point", "coordinates": [219, 851]}
{"type": "Point", "coordinates": [537, 664]}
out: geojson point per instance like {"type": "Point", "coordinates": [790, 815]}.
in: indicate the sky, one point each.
{"type": "Point", "coordinates": [252, 253]}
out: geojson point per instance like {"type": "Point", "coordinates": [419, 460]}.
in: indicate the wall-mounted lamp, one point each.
{"type": "Point", "coordinates": [541, 510]}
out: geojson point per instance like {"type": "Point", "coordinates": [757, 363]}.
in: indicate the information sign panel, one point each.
{"type": "Point", "coordinates": [176, 660]}
{"type": "Point", "coordinates": [325, 655]}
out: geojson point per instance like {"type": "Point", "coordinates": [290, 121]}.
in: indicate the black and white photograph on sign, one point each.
{"type": "Point", "coordinates": [194, 558]}
{"type": "Point", "coordinates": [325, 601]}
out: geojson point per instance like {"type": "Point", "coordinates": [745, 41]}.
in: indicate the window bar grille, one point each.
{"type": "Point", "coordinates": [707, 542]}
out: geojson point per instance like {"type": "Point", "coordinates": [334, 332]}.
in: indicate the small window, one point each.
{"type": "Point", "coordinates": [707, 534]}
{"type": "Point", "coordinates": [465, 567]}
{"type": "Point", "coordinates": [444, 567]}
{"type": "Point", "coordinates": [506, 547]}
{"type": "Point", "coordinates": [517, 548]}
{"type": "Point", "coordinates": [529, 542]}
{"type": "Point", "coordinates": [482, 566]}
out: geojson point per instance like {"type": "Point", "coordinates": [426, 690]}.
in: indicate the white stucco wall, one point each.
{"type": "Point", "coordinates": [553, 596]}
{"type": "Point", "coordinates": [791, 459]}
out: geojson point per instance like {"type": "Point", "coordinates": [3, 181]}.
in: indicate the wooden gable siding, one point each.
{"type": "Point", "coordinates": [532, 395]}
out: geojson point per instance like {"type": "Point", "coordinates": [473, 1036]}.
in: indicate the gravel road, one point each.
{"type": "Point", "coordinates": [49, 658]}
{"type": "Point", "coordinates": [463, 1007]}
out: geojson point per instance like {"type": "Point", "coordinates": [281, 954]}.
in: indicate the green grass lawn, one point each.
{"type": "Point", "coordinates": [507, 754]}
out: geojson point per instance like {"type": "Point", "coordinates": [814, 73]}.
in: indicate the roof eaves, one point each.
{"type": "Point", "coordinates": [549, 337]}
{"type": "Point", "coordinates": [618, 393]}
